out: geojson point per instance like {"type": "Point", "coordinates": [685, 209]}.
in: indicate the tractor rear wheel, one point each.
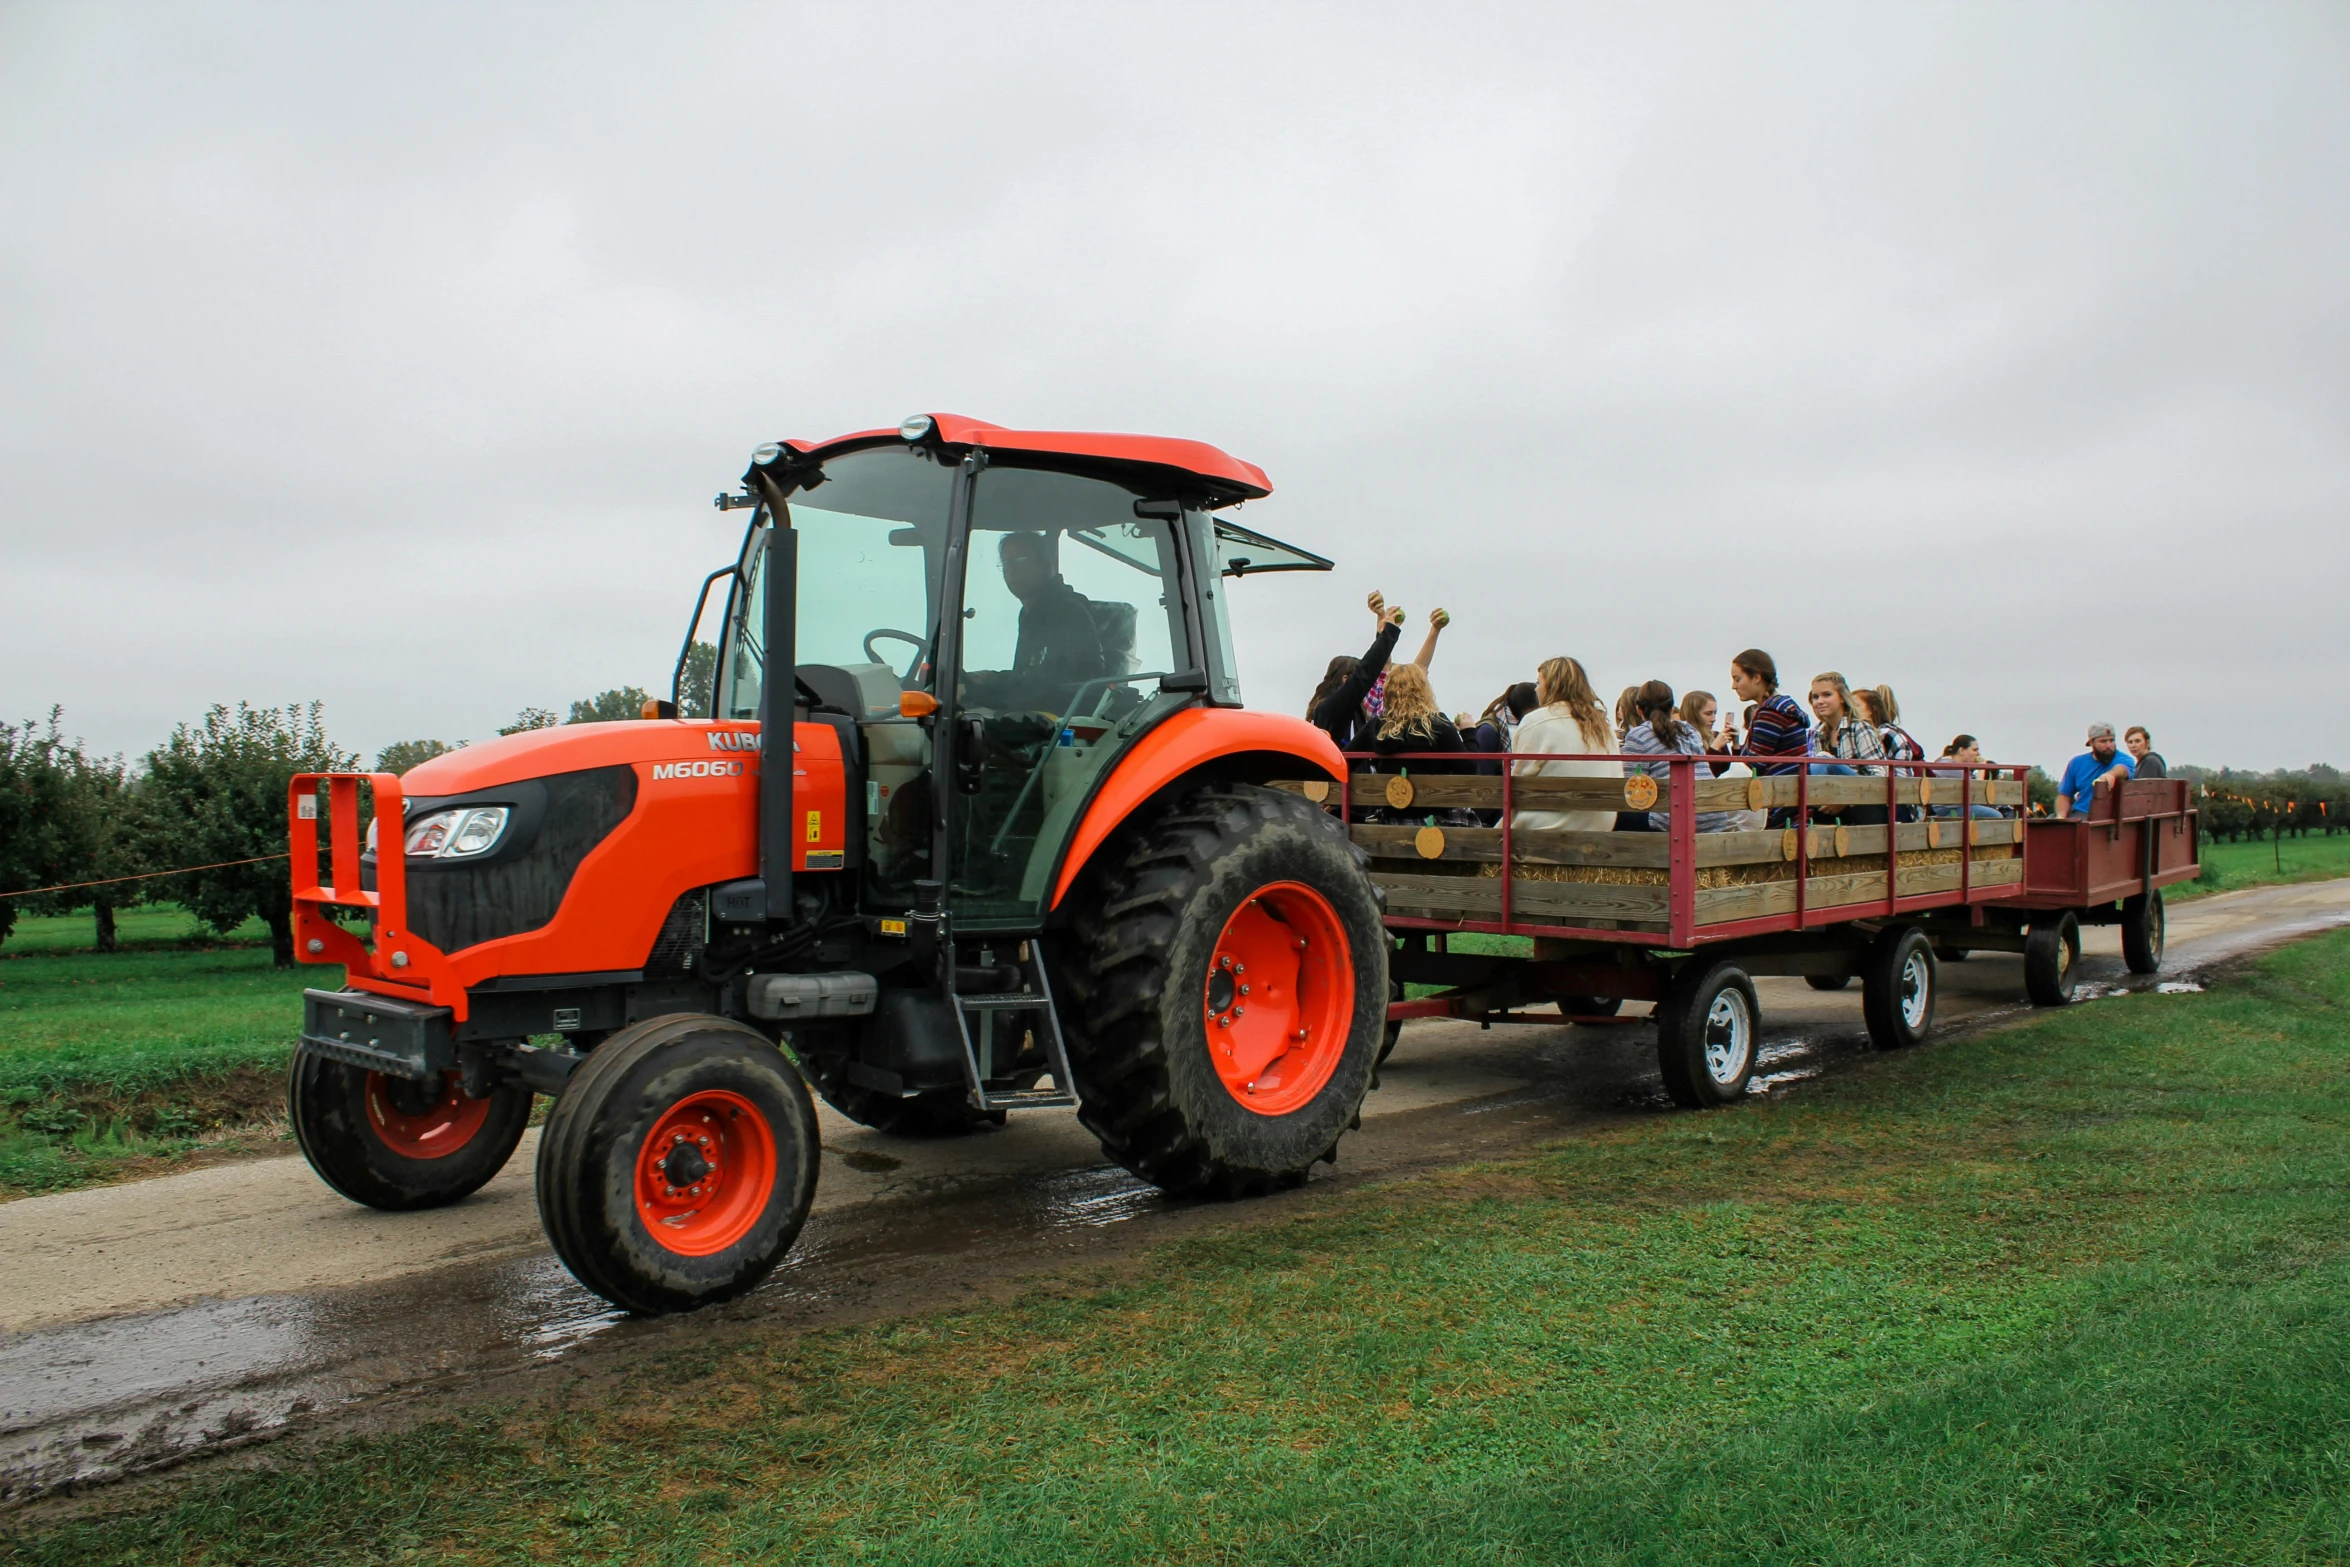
{"type": "Point", "coordinates": [1229, 992]}
{"type": "Point", "coordinates": [394, 1143]}
{"type": "Point", "coordinates": [678, 1165]}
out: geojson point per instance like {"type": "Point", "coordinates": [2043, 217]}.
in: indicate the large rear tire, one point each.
{"type": "Point", "coordinates": [398, 1144]}
{"type": "Point", "coordinates": [1229, 992]}
{"type": "Point", "coordinates": [2142, 929]}
{"type": "Point", "coordinates": [2052, 960]}
{"type": "Point", "coordinates": [1898, 988]}
{"type": "Point", "coordinates": [1708, 1030]}
{"type": "Point", "coordinates": [678, 1165]}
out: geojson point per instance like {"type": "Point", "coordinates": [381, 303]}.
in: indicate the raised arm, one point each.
{"type": "Point", "coordinates": [1438, 619]}
{"type": "Point", "coordinates": [1348, 697]}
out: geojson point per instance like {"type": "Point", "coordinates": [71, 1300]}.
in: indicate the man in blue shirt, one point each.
{"type": "Point", "coordinates": [2103, 762]}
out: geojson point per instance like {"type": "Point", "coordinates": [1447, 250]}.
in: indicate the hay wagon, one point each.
{"type": "Point", "coordinates": [1827, 877]}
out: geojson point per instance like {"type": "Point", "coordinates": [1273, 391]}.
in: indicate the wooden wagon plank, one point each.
{"type": "Point", "coordinates": [1530, 847]}
{"type": "Point", "coordinates": [1718, 905]}
{"type": "Point", "coordinates": [1480, 897]}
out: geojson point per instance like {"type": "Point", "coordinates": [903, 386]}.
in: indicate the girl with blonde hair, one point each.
{"type": "Point", "coordinates": [1570, 720]}
{"type": "Point", "coordinates": [1847, 735]}
{"type": "Point", "coordinates": [1409, 722]}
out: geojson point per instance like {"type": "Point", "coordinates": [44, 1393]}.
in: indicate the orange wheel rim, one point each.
{"type": "Point", "coordinates": [423, 1120]}
{"type": "Point", "coordinates": [1280, 998]}
{"type": "Point", "coordinates": [704, 1175]}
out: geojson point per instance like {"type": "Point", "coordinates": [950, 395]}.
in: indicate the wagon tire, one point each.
{"type": "Point", "coordinates": [1590, 1006]}
{"type": "Point", "coordinates": [2052, 960]}
{"type": "Point", "coordinates": [1898, 989]}
{"type": "Point", "coordinates": [395, 1144]}
{"type": "Point", "coordinates": [679, 1163]}
{"type": "Point", "coordinates": [1708, 1030]}
{"type": "Point", "coordinates": [2142, 932]}
{"type": "Point", "coordinates": [1827, 981]}
{"type": "Point", "coordinates": [1186, 1080]}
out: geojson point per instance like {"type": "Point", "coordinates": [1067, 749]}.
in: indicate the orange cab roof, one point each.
{"type": "Point", "coordinates": [1193, 457]}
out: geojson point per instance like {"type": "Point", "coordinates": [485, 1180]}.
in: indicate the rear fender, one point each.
{"type": "Point", "coordinates": [1224, 742]}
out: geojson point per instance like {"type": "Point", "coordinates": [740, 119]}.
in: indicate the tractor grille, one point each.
{"type": "Point", "coordinates": [459, 906]}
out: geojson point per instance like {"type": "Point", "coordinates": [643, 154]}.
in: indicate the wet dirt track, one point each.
{"type": "Point", "coordinates": [148, 1322]}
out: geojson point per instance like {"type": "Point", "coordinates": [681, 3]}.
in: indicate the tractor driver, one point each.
{"type": "Point", "coordinates": [1059, 648]}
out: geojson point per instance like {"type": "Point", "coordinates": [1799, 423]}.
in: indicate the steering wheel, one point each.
{"type": "Point", "coordinates": [921, 648]}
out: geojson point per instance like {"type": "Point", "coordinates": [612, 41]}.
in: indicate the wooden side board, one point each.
{"type": "Point", "coordinates": [1478, 898]}
{"type": "Point", "coordinates": [1654, 850]}
{"type": "Point", "coordinates": [1446, 791]}
{"type": "Point", "coordinates": [1718, 905]}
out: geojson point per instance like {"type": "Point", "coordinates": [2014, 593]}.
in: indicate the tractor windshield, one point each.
{"type": "Point", "coordinates": [872, 535]}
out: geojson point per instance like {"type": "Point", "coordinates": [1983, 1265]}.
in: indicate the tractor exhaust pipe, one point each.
{"type": "Point", "coordinates": [779, 698]}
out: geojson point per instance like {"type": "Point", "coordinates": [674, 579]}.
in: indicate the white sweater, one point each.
{"type": "Point", "coordinates": [1553, 728]}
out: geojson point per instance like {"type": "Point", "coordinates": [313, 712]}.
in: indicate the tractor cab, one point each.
{"type": "Point", "coordinates": [998, 621]}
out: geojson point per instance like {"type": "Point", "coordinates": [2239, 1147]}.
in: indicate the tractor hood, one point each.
{"type": "Point", "coordinates": [571, 748]}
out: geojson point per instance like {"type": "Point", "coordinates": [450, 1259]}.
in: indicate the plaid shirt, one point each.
{"type": "Point", "coordinates": [1856, 740]}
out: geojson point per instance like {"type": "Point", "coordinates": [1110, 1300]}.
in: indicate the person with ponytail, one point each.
{"type": "Point", "coordinates": [1569, 721]}
{"type": "Point", "coordinates": [1660, 732]}
{"type": "Point", "coordinates": [1777, 727]}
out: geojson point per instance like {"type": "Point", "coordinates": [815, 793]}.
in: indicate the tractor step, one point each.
{"type": "Point", "coordinates": [1033, 995]}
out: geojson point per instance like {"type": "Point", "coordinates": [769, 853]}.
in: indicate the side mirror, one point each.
{"type": "Point", "coordinates": [1194, 681]}
{"type": "Point", "coordinates": [970, 754]}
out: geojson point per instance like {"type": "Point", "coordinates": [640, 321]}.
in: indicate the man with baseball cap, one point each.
{"type": "Point", "coordinates": [2104, 762]}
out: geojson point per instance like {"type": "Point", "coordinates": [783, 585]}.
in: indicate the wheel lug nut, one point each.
{"type": "Point", "coordinates": [1244, 990]}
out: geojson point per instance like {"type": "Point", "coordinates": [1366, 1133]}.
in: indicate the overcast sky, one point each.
{"type": "Point", "coordinates": [391, 356]}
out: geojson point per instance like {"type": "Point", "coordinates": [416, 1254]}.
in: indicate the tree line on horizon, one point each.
{"type": "Point", "coordinates": [212, 795]}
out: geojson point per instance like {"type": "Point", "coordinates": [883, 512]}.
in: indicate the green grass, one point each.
{"type": "Point", "coordinates": [2230, 866]}
{"type": "Point", "coordinates": [2078, 1291]}
{"type": "Point", "coordinates": [109, 1061]}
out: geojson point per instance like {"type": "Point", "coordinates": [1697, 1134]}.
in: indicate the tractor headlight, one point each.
{"type": "Point", "coordinates": [460, 834]}
{"type": "Point", "coordinates": [761, 456]}
{"type": "Point", "coordinates": [478, 833]}
{"type": "Point", "coordinates": [914, 428]}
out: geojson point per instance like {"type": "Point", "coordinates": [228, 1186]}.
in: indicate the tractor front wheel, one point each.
{"type": "Point", "coordinates": [1229, 993]}
{"type": "Point", "coordinates": [678, 1165]}
{"type": "Point", "coordinates": [396, 1144]}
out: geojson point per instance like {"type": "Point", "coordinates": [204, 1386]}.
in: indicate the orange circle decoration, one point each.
{"type": "Point", "coordinates": [1317, 790]}
{"type": "Point", "coordinates": [416, 1121]}
{"type": "Point", "coordinates": [1639, 792]}
{"type": "Point", "coordinates": [705, 1173]}
{"type": "Point", "coordinates": [1789, 845]}
{"type": "Point", "coordinates": [1758, 795]}
{"type": "Point", "coordinates": [1843, 841]}
{"type": "Point", "coordinates": [1933, 835]}
{"type": "Point", "coordinates": [1399, 792]}
{"type": "Point", "coordinates": [1430, 842]}
{"type": "Point", "coordinates": [1925, 791]}
{"type": "Point", "coordinates": [1280, 998]}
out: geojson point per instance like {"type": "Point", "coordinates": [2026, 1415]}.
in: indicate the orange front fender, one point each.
{"type": "Point", "coordinates": [1190, 740]}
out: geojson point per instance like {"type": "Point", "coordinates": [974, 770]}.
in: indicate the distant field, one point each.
{"type": "Point", "coordinates": [2230, 866]}
{"type": "Point", "coordinates": [110, 1062]}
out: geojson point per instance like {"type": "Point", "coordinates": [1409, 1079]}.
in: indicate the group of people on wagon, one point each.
{"type": "Point", "coordinates": [1389, 710]}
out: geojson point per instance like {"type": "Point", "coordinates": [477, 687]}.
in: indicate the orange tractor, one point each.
{"type": "Point", "coordinates": [1020, 852]}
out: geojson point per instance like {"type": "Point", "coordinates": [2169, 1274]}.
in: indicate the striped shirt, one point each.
{"type": "Point", "coordinates": [1779, 729]}
{"type": "Point", "coordinates": [1641, 740]}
